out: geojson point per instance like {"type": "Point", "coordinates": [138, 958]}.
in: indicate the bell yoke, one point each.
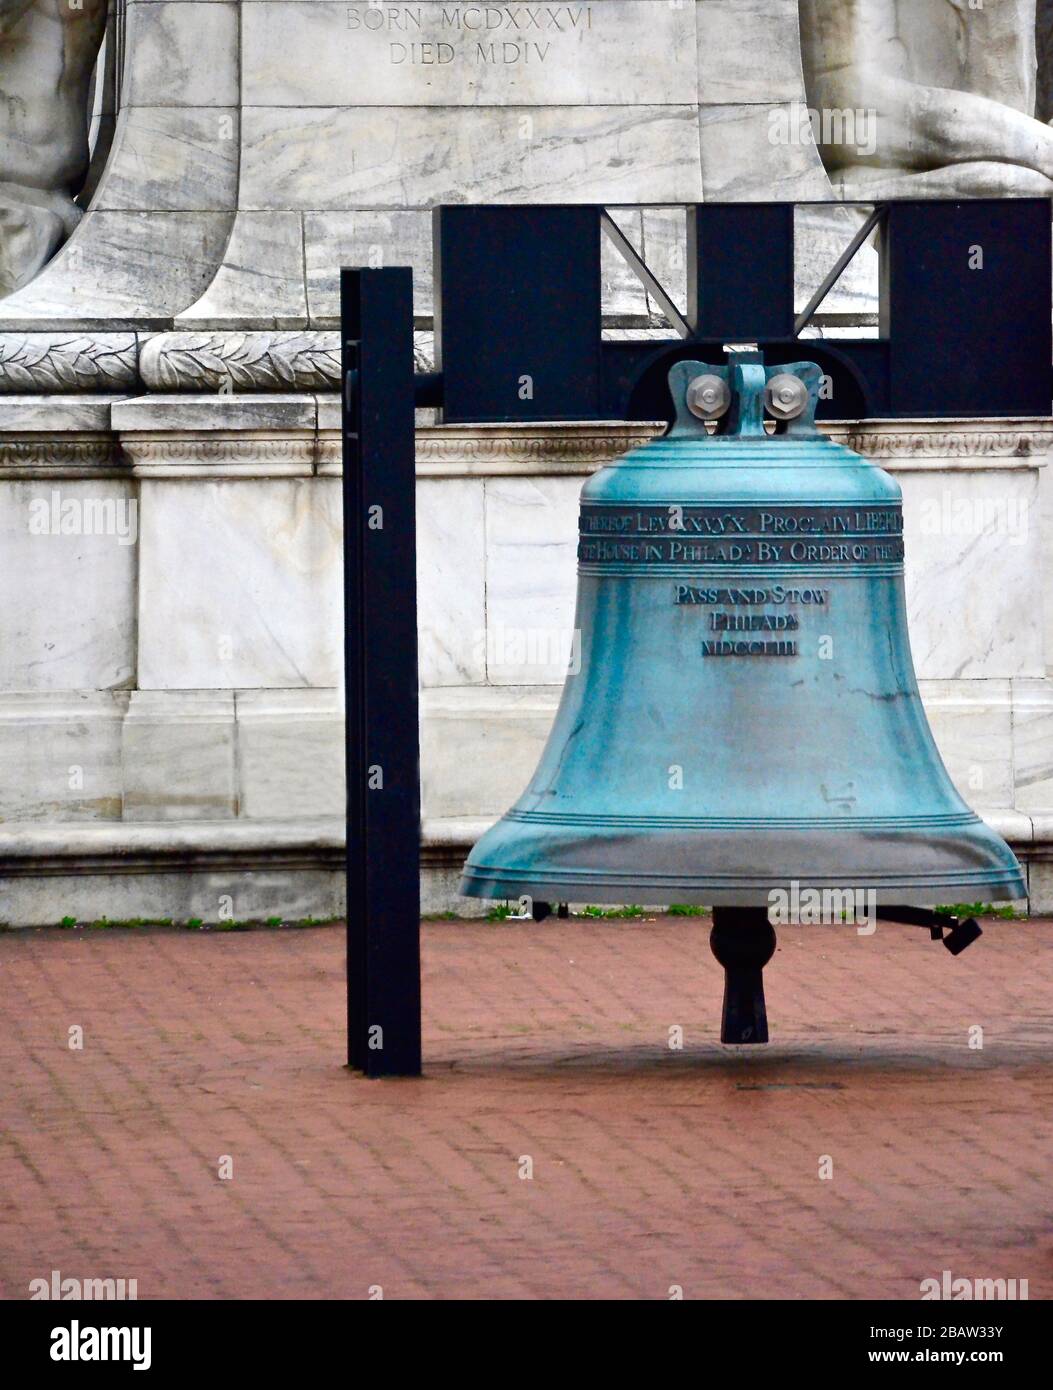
{"type": "Point", "coordinates": [745, 718]}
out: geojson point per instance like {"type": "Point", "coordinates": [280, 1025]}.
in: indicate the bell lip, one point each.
{"type": "Point", "coordinates": [905, 892]}
{"type": "Point", "coordinates": [572, 820]}
{"type": "Point", "coordinates": [967, 861]}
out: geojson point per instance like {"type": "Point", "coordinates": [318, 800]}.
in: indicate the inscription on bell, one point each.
{"type": "Point", "coordinates": [777, 593]}
{"type": "Point", "coordinates": [753, 622]}
{"type": "Point", "coordinates": [679, 535]}
{"type": "Point", "coordinates": [749, 648]}
{"type": "Point", "coordinates": [747, 521]}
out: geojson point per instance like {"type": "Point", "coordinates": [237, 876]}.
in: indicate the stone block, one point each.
{"type": "Point", "coordinates": [341, 158]}
{"type": "Point", "coordinates": [750, 155]}
{"type": "Point", "coordinates": [1033, 744]}
{"type": "Point", "coordinates": [61, 755]}
{"type": "Point", "coordinates": [451, 577]}
{"type": "Point", "coordinates": [749, 51]}
{"type": "Point", "coordinates": [172, 158]}
{"type": "Point", "coordinates": [123, 267]}
{"type": "Point", "coordinates": [531, 578]}
{"type": "Point", "coordinates": [290, 754]}
{"type": "Point", "coordinates": [178, 755]}
{"type": "Point", "coordinates": [973, 571]}
{"type": "Point", "coordinates": [241, 584]}
{"type": "Point", "coordinates": [480, 747]}
{"type": "Point", "coordinates": [374, 239]}
{"type": "Point", "coordinates": [182, 53]}
{"type": "Point", "coordinates": [68, 566]}
{"type": "Point", "coordinates": [618, 53]}
{"type": "Point", "coordinates": [261, 280]}
{"type": "Point", "coordinates": [971, 722]}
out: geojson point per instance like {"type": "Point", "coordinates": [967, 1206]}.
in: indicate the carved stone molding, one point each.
{"type": "Point", "coordinates": [52, 456]}
{"type": "Point", "coordinates": [64, 362]}
{"type": "Point", "coordinates": [211, 455]}
{"type": "Point", "coordinates": [573, 449]}
{"type": "Point", "coordinates": [964, 441]}
{"type": "Point", "coordinates": [301, 360]}
{"type": "Point", "coordinates": [503, 450]}
{"type": "Point", "coordinates": [58, 363]}
{"type": "Point", "coordinates": [279, 361]}
{"type": "Point", "coordinates": [294, 435]}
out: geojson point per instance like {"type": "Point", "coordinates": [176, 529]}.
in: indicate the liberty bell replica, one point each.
{"type": "Point", "coordinates": [745, 727]}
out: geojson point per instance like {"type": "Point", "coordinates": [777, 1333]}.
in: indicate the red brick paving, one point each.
{"type": "Point", "coordinates": [652, 1167]}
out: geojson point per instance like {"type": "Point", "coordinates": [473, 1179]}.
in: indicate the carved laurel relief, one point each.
{"type": "Point", "coordinates": [57, 362]}
{"type": "Point", "coordinates": [245, 361]}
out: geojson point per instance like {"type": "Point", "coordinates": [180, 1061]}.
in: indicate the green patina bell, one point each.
{"type": "Point", "coordinates": [746, 716]}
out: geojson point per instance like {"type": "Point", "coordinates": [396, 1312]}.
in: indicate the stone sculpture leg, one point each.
{"type": "Point", "coordinates": [925, 128]}
{"type": "Point", "coordinates": [48, 50]}
{"type": "Point", "coordinates": [982, 179]}
{"type": "Point", "coordinates": [33, 225]}
{"type": "Point", "coordinates": [861, 55]}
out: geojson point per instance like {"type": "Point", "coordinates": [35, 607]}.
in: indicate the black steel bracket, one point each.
{"type": "Point", "coordinates": [960, 932]}
{"type": "Point", "coordinates": [965, 328]}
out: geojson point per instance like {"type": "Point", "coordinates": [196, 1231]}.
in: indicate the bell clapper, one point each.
{"type": "Point", "coordinates": [743, 941]}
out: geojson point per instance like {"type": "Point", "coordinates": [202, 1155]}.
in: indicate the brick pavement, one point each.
{"type": "Point", "coordinates": [651, 1167]}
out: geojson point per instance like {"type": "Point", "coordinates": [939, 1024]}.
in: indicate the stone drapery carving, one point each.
{"type": "Point", "coordinates": [1044, 45]}
{"type": "Point", "coordinates": [951, 88]}
{"type": "Point", "coordinates": [48, 50]}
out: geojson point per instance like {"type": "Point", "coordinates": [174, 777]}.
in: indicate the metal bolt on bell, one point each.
{"type": "Point", "coordinates": [785, 396]}
{"type": "Point", "coordinates": [708, 397]}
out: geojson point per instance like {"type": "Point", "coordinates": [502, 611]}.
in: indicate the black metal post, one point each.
{"type": "Point", "coordinates": [380, 652]}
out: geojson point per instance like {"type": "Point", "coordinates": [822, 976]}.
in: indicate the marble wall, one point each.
{"type": "Point", "coordinates": [260, 143]}
{"type": "Point", "coordinates": [318, 133]}
{"type": "Point", "coordinates": [170, 713]}
{"type": "Point", "coordinates": [170, 645]}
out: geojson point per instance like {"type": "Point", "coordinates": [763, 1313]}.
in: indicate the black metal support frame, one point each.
{"type": "Point", "coordinates": [380, 626]}
{"type": "Point", "coordinates": [964, 323]}
{"type": "Point", "coordinates": [965, 331]}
